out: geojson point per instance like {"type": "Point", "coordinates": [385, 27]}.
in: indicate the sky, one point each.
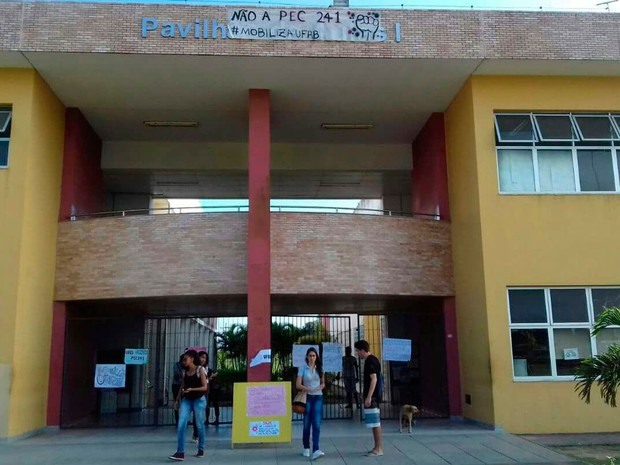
{"type": "Point", "coordinates": [559, 5]}
{"type": "Point", "coordinates": [221, 205]}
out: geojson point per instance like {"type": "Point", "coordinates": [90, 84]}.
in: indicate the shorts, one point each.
{"type": "Point", "coordinates": [372, 415]}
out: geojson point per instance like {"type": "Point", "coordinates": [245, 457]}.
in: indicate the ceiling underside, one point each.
{"type": "Point", "coordinates": [118, 92]}
{"type": "Point", "coordinates": [284, 185]}
{"type": "Point", "coordinates": [236, 306]}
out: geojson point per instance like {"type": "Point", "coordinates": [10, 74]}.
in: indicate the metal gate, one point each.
{"type": "Point", "coordinates": [287, 331]}
{"type": "Point", "coordinates": [421, 381]}
{"type": "Point", "coordinates": [147, 398]}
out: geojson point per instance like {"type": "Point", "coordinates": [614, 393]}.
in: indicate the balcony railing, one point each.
{"type": "Point", "coordinates": [245, 209]}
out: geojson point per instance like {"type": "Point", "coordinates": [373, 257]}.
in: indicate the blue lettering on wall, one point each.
{"type": "Point", "coordinates": [212, 29]}
{"type": "Point", "coordinates": [148, 24]}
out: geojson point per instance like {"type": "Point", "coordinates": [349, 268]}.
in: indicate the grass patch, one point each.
{"type": "Point", "coordinates": [593, 455]}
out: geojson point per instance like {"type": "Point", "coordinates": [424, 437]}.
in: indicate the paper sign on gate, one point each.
{"type": "Point", "coordinates": [136, 356]}
{"type": "Point", "coordinates": [110, 376]}
{"type": "Point", "coordinates": [332, 357]}
{"type": "Point", "coordinates": [396, 350]}
{"type": "Point", "coordinates": [299, 353]}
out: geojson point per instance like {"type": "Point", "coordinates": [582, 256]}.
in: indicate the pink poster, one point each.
{"type": "Point", "coordinates": [266, 401]}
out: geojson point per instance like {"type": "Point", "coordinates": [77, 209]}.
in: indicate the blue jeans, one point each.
{"type": "Point", "coordinates": [312, 418]}
{"type": "Point", "coordinates": [188, 406]}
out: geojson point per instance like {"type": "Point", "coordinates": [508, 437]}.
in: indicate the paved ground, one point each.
{"type": "Point", "coordinates": [432, 443]}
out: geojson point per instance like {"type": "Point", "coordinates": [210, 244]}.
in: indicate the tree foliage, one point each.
{"type": "Point", "coordinates": [602, 370]}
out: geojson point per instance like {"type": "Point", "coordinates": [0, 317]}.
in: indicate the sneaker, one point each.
{"type": "Point", "coordinates": [195, 439]}
{"type": "Point", "coordinates": [200, 454]}
{"type": "Point", "coordinates": [178, 456]}
{"type": "Point", "coordinates": [306, 453]}
{"type": "Point", "coordinates": [317, 454]}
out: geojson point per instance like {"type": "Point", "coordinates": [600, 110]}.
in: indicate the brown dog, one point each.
{"type": "Point", "coordinates": [407, 414]}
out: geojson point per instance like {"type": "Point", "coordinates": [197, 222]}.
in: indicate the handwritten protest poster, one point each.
{"type": "Point", "coordinates": [110, 376]}
{"type": "Point", "coordinates": [396, 350]}
{"type": "Point", "coordinates": [266, 401]}
{"type": "Point", "coordinates": [332, 357]}
{"type": "Point", "coordinates": [305, 24]}
{"type": "Point", "coordinates": [299, 354]}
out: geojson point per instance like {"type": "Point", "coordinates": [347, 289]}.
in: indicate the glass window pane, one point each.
{"type": "Point", "coordinates": [605, 298]}
{"type": "Point", "coordinates": [4, 153]}
{"type": "Point", "coordinates": [555, 127]}
{"type": "Point", "coordinates": [516, 171]}
{"type": "Point", "coordinates": [515, 128]}
{"type": "Point", "coordinates": [5, 120]}
{"type": "Point", "coordinates": [596, 170]}
{"type": "Point", "coordinates": [596, 127]}
{"type": "Point", "coordinates": [569, 306]}
{"type": "Point", "coordinates": [616, 119]}
{"type": "Point", "coordinates": [556, 172]}
{"type": "Point", "coordinates": [606, 338]}
{"type": "Point", "coordinates": [530, 352]}
{"type": "Point", "coordinates": [571, 347]}
{"type": "Point", "coordinates": [527, 306]}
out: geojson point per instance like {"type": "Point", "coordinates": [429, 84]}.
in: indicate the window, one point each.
{"type": "Point", "coordinates": [516, 170]}
{"type": "Point", "coordinates": [558, 153]}
{"type": "Point", "coordinates": [596, 171]}
{"type": "Point", "coordinates": [550, 329]}
{"type": "Point", "coordinates": [515, 128]}
{"type": "Point", "coordinates": [555, 170]}
{"type": "Point", "coordinates": [595, 127]}
{"type": "Point", "coordinates": [5, 133]}
{"type": "Point", "coordinates": [555, 128]}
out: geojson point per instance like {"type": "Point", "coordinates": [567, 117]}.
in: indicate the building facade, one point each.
{"type": "Point", "coordinates": [489, 138]}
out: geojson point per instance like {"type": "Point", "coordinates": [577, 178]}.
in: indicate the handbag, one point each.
{"type": "Point", "coordinates": [299, 402]}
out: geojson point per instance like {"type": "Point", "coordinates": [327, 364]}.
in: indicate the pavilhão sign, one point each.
{"type": "Point", "coordinates": [338, 25]}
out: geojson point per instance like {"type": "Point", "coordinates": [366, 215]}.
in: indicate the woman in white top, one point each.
{"type": "Point", "coordinates": [311, 380]}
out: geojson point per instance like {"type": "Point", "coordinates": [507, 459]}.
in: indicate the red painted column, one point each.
{"type": "Point", "coordinates": [57, 356]}
{"type": "Point", "coordinates": [82, 189]}
{"type": "Point", "coordinates": [429, 191]}
{"type": "Point", "coordinates": [452, 357]}
{"type": "Point", "coordinates": [259, 245]}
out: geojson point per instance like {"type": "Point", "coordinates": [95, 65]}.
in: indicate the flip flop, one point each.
{"type": "Point", "coordinates": [372, 453]}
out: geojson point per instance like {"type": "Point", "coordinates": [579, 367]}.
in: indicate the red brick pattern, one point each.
{"type": "Point", "coordinates": [158, 255]}
{"type": "Point", "coordinates": [196, 254]}
{"type": "Point", "coordinates": [360, 255]}
{"type": "Point", "coordinates": [115, 28]}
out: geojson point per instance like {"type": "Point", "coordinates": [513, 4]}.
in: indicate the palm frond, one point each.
{"type": "Point", "coordinates": [609, 317]}
{"type": "Point", "coordinates": [602, 371]}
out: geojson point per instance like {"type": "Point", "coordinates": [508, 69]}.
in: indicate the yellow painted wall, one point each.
{"type": "Point", "coordinates": [538, 240]}
{"type": "Point", "coordinates": [467, 257]}
{"type": "Point", "coordinates": [373, 334]}
{"type": "Point", "coordinates": [29, 202]}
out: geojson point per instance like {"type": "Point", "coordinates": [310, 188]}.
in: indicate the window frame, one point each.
{"type": "Point", "coordinates": [541, 138]}
{"type": "Point", "coordinates": [613, 150]}
{"type": "Point", "coordinates": [8, 120]}
{"type": "Point", "coordinates": [614, 127]}
{"type": "Point", "coordinates": [550, 326]}
{"type": "Point", "coordinates": [8, 140]}
{"type": "Point", "coordinates": [498, 133]}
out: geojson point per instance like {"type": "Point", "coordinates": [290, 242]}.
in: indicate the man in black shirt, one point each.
{"type": "Point", "coordinates": [372, 373]}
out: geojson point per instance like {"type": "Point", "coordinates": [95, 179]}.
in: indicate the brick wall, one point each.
{"type": "Point", "coordinates": [158, 255]}
{"type": "Point", "coordinates": [360, 254]}
{"type": "Point", "coordinates": [115, 28]}
{"type": "Point", "coordinates": [175, 255]}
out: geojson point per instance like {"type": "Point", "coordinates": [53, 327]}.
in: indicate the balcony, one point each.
{"type": "Point", "coordinates": [205, 254]}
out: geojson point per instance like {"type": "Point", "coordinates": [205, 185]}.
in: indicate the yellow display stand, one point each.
{"type": "Point", "coordinates": [262, 413]}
